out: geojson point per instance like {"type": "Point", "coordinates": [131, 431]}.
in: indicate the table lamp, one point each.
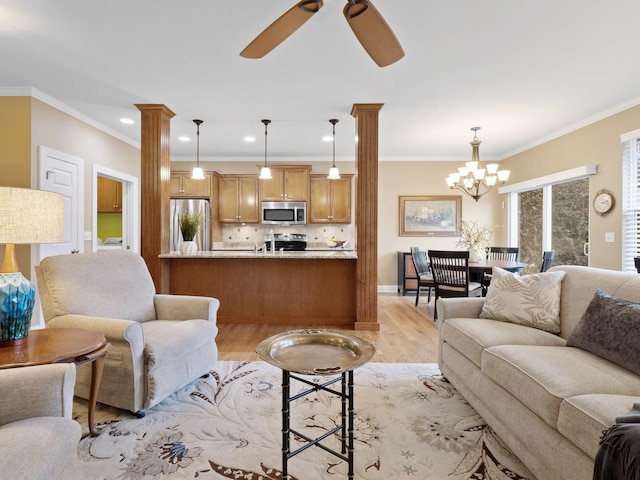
{"type": "Point", "coordinates": [26, 216]}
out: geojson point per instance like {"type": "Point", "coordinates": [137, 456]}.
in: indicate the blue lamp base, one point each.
{"type": "Point", "coordinates": [17, 298]}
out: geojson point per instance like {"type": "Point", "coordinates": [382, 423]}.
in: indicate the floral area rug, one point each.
{"type": "Point", "coordinates": [409, 423]}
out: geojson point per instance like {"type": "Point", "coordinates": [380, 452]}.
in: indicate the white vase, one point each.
{"type": "Point", "coordinates": [475, 254]}
{"type": "Point", "coordinates": [188, 248]}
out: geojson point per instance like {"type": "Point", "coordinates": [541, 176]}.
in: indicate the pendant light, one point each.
{"type": "Point", "coordinates": [197, 173]}
{"type": "Point", "coordinates": [334, 173]}
{"type": "Point", "coordinates": [265, 172]}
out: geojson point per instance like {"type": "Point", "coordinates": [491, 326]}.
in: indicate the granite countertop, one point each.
{"type": "Point", "coordinates": [330, 254]}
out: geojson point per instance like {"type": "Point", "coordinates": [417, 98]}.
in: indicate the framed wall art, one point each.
{"type": "Point", "coordinates": [430, 216]}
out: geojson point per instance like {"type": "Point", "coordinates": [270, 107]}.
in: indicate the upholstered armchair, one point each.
{"type": "Point", "coordinates": [38, 438]}
{"type": "Point", "coordinates": [159, 343]}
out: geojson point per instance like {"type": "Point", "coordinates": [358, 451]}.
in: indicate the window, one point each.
{"type": "Point", "coordinates": [630, 199]}
{"type": "Point", "coordinates": [551, 213]}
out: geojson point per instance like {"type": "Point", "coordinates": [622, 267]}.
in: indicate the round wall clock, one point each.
{"type": "Point", "coordinates": [603, 202]}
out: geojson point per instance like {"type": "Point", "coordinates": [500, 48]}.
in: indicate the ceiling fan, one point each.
{"type": "Point", "coordinates": [367, 24]}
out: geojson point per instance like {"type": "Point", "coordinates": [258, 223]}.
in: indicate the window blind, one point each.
{"type": "Point", "coordinates": [630, 203]}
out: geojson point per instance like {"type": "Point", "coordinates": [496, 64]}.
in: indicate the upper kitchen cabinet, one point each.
{"type": "Point", "coordinates": [238, 199]}
{"type": "Point", "coordinates": [289, 184]}
{"type": "Point", "coordinates": [182, 185]}
{"type": "Point", "coordinates": [330, 199]}
{"type": "Point", "coordinates": [109, 195]}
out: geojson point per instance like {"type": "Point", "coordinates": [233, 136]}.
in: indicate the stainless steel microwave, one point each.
{"type": "Point", "coordinates": [284, 213]}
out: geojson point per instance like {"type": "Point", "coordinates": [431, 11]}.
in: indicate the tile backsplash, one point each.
{"type": "Point", "coordinates": [317, 235]}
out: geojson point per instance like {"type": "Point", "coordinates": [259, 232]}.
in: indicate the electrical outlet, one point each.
{"type": "Point", "coordinates": [609, 237]}
{"type": "Point", "coordinates": [87, 236]}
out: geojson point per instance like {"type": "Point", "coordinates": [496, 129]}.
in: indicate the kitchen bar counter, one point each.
{"type": "Point", "coordinates": [305, 288]}
{"type": "Point", "coordinates": [320, 254]}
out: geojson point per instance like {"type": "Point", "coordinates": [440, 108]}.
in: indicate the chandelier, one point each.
{"type": "Point", "coordinates": [473, 179]}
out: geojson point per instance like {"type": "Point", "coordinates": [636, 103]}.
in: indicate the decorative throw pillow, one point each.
{"type": "Point", "coordinates": [530, 300]}
{"type": "Point", "coordinates": [610, 328]}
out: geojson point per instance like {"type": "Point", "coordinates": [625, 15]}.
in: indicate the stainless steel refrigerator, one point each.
{"type": "Point", "coordinates": [183, 205]}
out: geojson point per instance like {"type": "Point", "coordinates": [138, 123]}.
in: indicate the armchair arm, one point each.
{"type": "Point", "coordinates": [38, 391]}
{"type": "Point", "coordinates": [186, 307]}
{"type": "Point", "coordinates": [115, 330]}
{"type": "Point", "coordinates": [459, 307]}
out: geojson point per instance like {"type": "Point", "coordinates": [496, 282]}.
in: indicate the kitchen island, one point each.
{"type": "Point", "coordinates": [306, 288]}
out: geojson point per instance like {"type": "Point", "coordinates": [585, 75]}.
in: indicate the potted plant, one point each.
{"type": "Point", "coordinates": [475, 238]}
{"type": "Point", "coordinates": [189, 226]}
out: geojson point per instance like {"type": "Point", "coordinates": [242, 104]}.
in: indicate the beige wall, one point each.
{"type": "Point", "coordinates": [15, 148]}
{"type": "Point", "coordinates": [27, 123]}
{"type": "Point", "coordinates": [597, 144]}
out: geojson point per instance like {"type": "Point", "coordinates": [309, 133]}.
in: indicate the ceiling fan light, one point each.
{"type": "Point", "coordinates": [197, 174]}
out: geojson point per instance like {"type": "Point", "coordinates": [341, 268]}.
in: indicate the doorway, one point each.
{"type": "Point", "coordinates": [115, 207]}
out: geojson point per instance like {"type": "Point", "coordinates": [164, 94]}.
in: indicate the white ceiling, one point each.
{"type": "Point", "coordinates": [524, 71]}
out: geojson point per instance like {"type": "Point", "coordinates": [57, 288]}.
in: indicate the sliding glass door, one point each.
{"type": "Point", "coordinates": [554, 217]}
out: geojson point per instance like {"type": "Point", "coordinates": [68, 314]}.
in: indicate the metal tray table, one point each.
{"type": "Point", "coordinates": [317, 352]}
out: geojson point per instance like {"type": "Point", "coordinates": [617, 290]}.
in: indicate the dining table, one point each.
{"type": "Point", "coordinates": [478, 269]}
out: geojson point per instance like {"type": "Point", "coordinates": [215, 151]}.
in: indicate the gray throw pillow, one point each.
{"type": "Point", "coordinates": [610, 328]}
{"type": "Point", "coordinates": [529, 300]}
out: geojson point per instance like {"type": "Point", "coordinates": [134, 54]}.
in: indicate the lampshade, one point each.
{"type": "Point", "coordinates": [30, 216]}
{"type": "Point", "coordinates": [26, 216]}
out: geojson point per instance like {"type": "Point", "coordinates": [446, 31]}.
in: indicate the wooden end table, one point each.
{"type": "Point", "coordinates": [62, 345]}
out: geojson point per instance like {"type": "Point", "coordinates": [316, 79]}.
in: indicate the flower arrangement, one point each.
{"type": "Point", "coordinates": [189, 225]}
{"type": "Point", "coordinates": [474, 236]}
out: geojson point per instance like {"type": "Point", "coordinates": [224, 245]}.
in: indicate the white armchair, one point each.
{"type": "Point", "coordinates": [159, 343]}
{"type": "Point", "coordinates": [38, 438]}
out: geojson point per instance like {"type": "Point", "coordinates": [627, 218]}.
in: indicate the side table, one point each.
{"type": "Point", "coordinates": [317, 352]}
{"type": "Point", "coordinates": [62, 345]}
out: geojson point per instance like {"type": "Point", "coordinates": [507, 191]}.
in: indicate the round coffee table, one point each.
{"type": "Point", "coordinates": [62, 345]}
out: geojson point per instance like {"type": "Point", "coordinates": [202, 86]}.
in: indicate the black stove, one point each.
{"type": "Point", "coordinates": [288, 242]}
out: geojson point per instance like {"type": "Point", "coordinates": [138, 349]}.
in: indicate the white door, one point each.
{"type": "Point", "coordinates": [61, 173]}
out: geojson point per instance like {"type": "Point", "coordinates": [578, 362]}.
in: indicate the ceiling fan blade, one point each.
{"type": "Point", "coordinates": [279, 30]}
{"type": "Point", "coordinates": [373, 32]}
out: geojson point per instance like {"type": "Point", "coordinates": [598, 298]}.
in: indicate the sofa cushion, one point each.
{"type": "Point", "coordinates": [470, 336]}
{"type": "Point", "coordinates": [530, 300]}
{"type": "Point", "coordinates": [610, 328]}
{"type": "Point", "coordinates": [542, 377]}
{"type": "Point", "coordinates": [39, 447]}
{"type": "Point", "coordinates": [177, 351]}
{"type": "Point", "coordinates": [583, 418]}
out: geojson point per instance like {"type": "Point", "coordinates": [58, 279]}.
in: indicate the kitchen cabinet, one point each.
{"type": "Point", "coordinates": [330, 200]}
{"type": "Point", "coordinates": [289, 184]}
{"type": "Point", "coordinates": [182, 185]}
{"type": "Point", "coordinates": [109, 195]}
{"type": "Point", "coordinates": [238, 199]}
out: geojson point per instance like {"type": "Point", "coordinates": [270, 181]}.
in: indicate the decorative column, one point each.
{"type": "Point", "coordinates": [155, 173]}
{"type": "Point", "coordinates": [366, 115]}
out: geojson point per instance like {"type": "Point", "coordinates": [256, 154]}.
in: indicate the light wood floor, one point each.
{"type": "Point", "coordinates": [407, 334]}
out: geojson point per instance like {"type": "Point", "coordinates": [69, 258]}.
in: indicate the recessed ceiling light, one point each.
{"type": "Point", "coordinates": [184, 138]}
{"type": "Point", "coordinates": [127, 121]}
{"type": "Point", "coordinates": [249, 139]}
{"type": "Point", "coordinates": [327, 139]}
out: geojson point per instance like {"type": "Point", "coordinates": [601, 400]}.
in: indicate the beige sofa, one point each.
{"type": "Point", "coordinates": [159, 343]}
{"type": "Point", "coordinates": [548, 402]}
{"type": "Point", "coordinates": [38, 438]}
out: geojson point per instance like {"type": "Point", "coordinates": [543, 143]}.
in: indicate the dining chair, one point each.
{"type": "Point", "coordinates": [450, 270]}
{"type": "Point", "coordinates": [547, 260]}
{"type": "Point", "coordinates": [636, 262]}
{"type": "Point", "coordinates": [505, 254]}
{"type": "Point", "coordinates": [420, 259]}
